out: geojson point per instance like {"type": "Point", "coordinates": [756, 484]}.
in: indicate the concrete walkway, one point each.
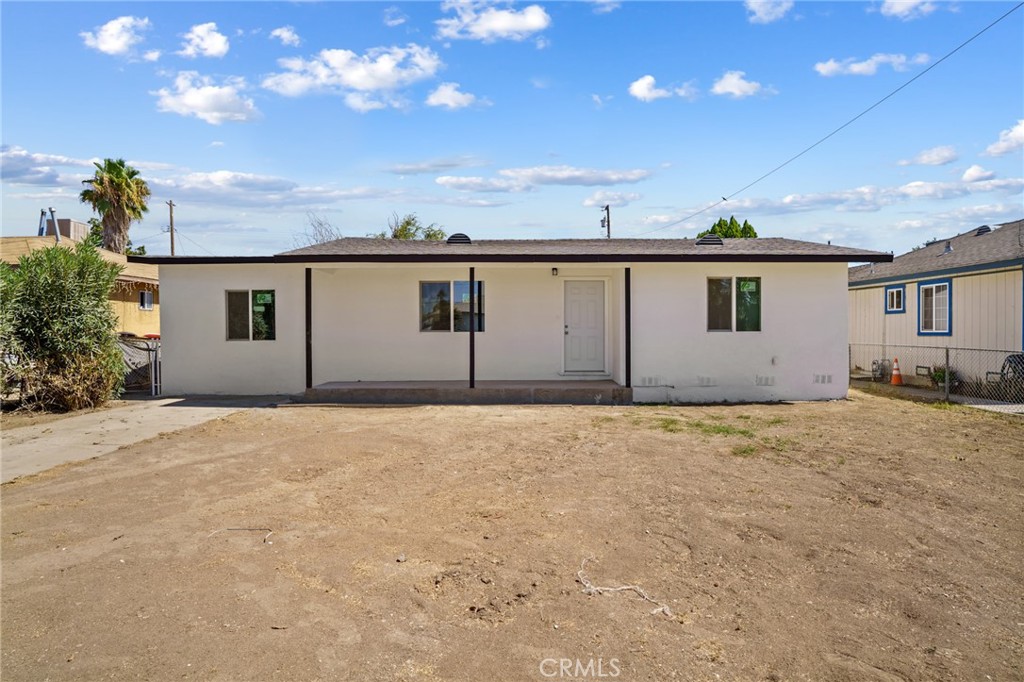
{"type": "Point", "coordinates": [31, 449]}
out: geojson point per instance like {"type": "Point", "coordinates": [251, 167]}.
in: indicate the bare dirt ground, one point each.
{"type": "Point", "coordinates": [870, 539]}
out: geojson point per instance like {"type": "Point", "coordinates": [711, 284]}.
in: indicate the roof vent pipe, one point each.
{"type": "Point", "coordinates": [459, 238]}
{"type": "Point", "coordinates": [948, 249]}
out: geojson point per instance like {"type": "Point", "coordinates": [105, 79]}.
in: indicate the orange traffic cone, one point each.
{"type": "Point", "coordinates": [897, 378]}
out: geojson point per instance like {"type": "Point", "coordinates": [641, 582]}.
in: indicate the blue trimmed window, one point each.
{"type": "Point", "coordinates": [935, 308]}
{"type": "Point", "coordinates": [895, 299]}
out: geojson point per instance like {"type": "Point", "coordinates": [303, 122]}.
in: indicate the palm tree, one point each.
{"type": "Point", "coordinates": [119, 195]}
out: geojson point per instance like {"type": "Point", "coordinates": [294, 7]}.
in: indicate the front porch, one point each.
{"type": "Point", "coordinates": [581, 392]}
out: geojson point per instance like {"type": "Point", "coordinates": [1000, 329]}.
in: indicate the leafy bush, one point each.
{"type": "Point", "coordinates": [59, 329]}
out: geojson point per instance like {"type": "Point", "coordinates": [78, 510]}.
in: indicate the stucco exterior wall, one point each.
{"type": "Point", "coordinates": [366, 324]}
{"type": "Point", "coordinates": [131, 318]}
{"type": "Point", "coordinates": [987, 313]}
{"type": "Point", "coordinates": [366, 327]}
{"type": "Point", "coordinates": [197, 357]}
{"type": "Point", "coordinates": [799, 354]}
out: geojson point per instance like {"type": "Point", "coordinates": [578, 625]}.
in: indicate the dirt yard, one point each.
{"type": "Point", "coordinates": [871, 539]}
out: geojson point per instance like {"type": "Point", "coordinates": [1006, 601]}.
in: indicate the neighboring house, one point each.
{"type": "Point", "coordinates": [665, 320]}
{"type": "Point", "coordinates": [136, 294]}
{"type": "Point", "coordinates": [964, 294]}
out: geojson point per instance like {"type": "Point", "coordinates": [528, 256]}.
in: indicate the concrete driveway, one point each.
{"type": "Point", "coordinates": [30, 449]}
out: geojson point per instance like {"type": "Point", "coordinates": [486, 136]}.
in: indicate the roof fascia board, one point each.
{"type": "Point", "coordinates": [516, 258]}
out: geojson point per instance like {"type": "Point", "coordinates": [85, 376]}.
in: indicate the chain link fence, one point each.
{"type": "Point", "coordinates": [141, 364]}
{"type": "Point", "coordinates": [974, 372]}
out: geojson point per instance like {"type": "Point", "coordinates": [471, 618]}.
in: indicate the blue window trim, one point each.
{"type": "Point", "coordinates": [949, 306]}
{"type": "Point", "coordinates": [903, 299]}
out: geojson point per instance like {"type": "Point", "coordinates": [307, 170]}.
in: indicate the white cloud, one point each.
{"type": "Point", "coordinates": [203, 40]}
{"type": "Point", "coordinates": [688, 90]}
{"type": "Point", "coordinates": [151, 55]}
{"type": "Point", "coordinates": [526, 179]}
{"type": "Point", "coordinates": [362, 102]}
{"type": "Point", "coordinates": [117, 36]}
{"type": "Point", "coordinates": [195, 95]}
{"type": "Point", "coordinates": [599, 101]}
{"type": "Point", "coordinates": [605, 6]}
{"type": "Point", "coordinates": [18, 166]}
{"type": "Point", "coordinates": [976, 173]}
{"type": "Point", "coordinates": [907, 9]}
{"type": "Point", "coordinates": [657, 219]}
{"type": "Point", "coordinates": [733, 84]}
{"type": "Point", "coordinates": [1009, 140]}
{"type": "Point", "coordinates": [394, 17]}
{"type": "Point", "coordinates": [478, 184]}
{"type": "Point", "coordinates": [869, 67]}
{"type": "Point", "coordinates": [381, 70]}
{"type": "Point", "coordinates": [936, 156]}
{"type": "Point", "coordinates": [287, 36]}
{"type": "Point", "coordinates": [447, 95]}
{"type": "Point", "coordinates": [767, 11]}
{"type": "Point", "coordinates": [644, 89]}
{"type": "Point", "coordinates": [485, 21]}
{"type": "Point", "coordinates": [871, 198]}
{"type": "Point", "coordinates": [216, 144]}
{"type": "Point", "coordinates": [569, 175]}
{"type": "Point", "coordinates": [435, 165]}
{"type": "Point", "coordinates": [603, 198]}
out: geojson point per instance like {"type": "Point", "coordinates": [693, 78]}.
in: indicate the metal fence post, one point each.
{"type": "Point", "coordinates": [949, 378]}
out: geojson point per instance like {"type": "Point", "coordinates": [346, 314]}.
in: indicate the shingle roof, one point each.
{"type": "Point", "coordinates": [769, 248]}
{"type": "Point", "coordinates": [1002, 244]}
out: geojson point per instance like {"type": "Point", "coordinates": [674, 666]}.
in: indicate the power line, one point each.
{"type": "Point", "coordinates": [179, 233]}
{"type": "Point", "coordinates": [848, 123]}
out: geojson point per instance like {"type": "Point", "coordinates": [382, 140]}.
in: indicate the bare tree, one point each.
{"type": "Point", "coordinates": [318, 231]}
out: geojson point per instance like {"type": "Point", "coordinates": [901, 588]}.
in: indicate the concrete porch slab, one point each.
{"type": "Point", "coordinates": [458, 393]}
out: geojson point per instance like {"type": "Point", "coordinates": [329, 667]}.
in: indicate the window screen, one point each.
{"type": "Point", "coordinates": [263, 318]}
{"type": "Point", "coordinates": [238, 315]}
{"type": "Point", "coordinates": [719, 304]}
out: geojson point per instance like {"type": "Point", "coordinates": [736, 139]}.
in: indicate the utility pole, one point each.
{"type": "Point", "coordinates": [606, 221]}
{"type": "Point", "coordinates": [171, 205]}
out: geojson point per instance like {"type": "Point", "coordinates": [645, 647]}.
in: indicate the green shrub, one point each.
{"type": "Point", "coordinates": [58, 323]}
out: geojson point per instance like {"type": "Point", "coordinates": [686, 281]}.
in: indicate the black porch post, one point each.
{"type": "Point", "coordinates": [309, 328]}
{"type": "Point", "coordinates": [472, 327]}
{"type": "Point", "coordinates": [629, 331]}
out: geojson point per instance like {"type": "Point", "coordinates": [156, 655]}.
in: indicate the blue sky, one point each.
{"type": "Point", "coordinates": [517, 120]}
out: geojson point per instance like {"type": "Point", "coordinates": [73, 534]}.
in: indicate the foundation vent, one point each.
{"type": "Point", "coordinates": [764, 380]}
{"type": "Point", "coordinates": [823, 378]}
{"type": "Point", "coordinates": [703, 381]}
{"type": "Point", "coordinates": [650, 381]}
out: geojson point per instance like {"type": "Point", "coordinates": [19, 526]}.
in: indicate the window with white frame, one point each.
{"type": "Point", "coordinates": [745, 315]}
{"type": "Point", "coordinates": [145, 300]}
{"type": "Point", "coordinates": [251, 315]}
{"type": "Point", "coordinates": [934, 307]}
{"type": "Point", "coordinates": [445, 306]}
{"type": "Point", "coordinates": [895, 299]}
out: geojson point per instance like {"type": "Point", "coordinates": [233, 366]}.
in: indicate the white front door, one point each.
{"type": "Point", "coordinates": [584, 326]}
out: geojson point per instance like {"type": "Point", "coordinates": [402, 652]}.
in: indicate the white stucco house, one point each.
{"type": "Point", "coordinates": [656, 320]}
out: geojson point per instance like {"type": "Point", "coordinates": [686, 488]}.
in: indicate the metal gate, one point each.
{"type": "Point", "coordinates": [141, 364]}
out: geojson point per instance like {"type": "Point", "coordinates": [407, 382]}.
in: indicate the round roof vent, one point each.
{"type": "Point", "coordinates": [984, 229]}
{"type": "Point", "coordinates": [459, 238]}
{"type": "Point", "coordinates": [710, 240]}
